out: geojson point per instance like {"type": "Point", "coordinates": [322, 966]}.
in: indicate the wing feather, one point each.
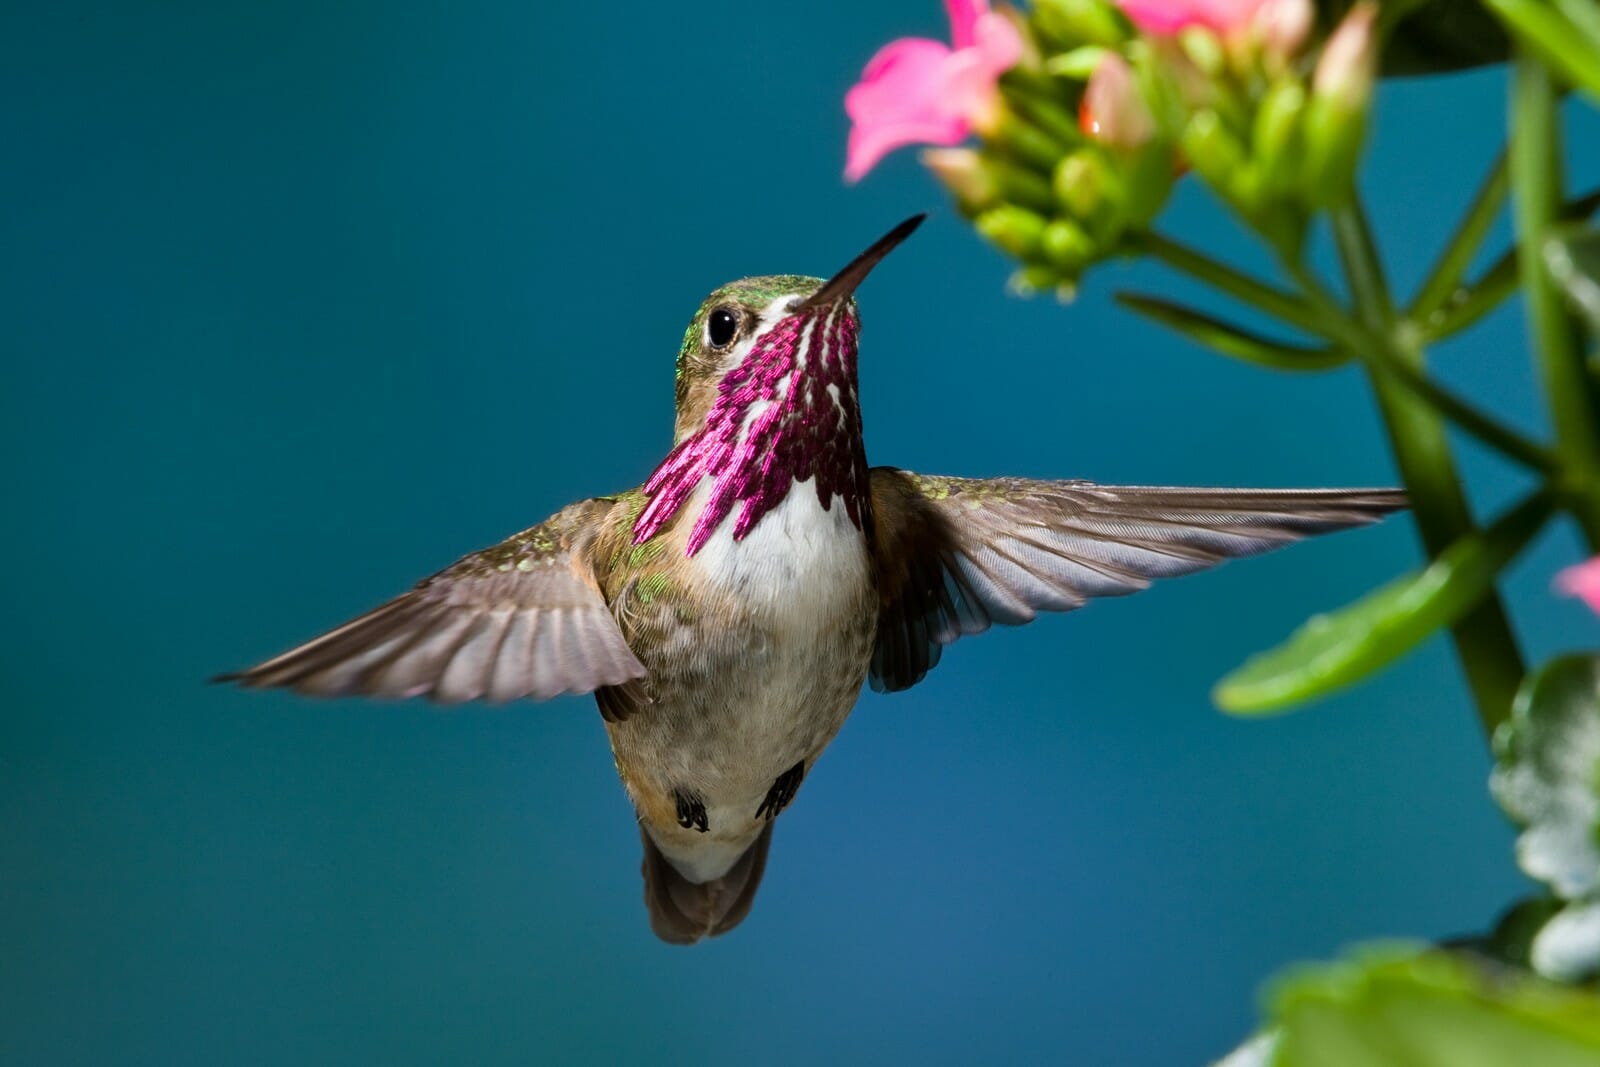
{"type": "Point", "coordinates": [957, 554]}
{"type": "Point", "coordinates": [524, 618]}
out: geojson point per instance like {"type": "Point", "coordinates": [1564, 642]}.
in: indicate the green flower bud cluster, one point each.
{"type": "Point", "coordinates": [1042, 186]}
{"type": "Point", "coordinates": [1275, 137]}
{"type": "Point", "coordinates": [1097, 120]}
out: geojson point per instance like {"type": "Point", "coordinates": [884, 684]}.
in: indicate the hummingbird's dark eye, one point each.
{"type": "Point", "coordinates": [721, 327]}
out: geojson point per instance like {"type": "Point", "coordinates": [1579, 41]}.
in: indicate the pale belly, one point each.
{"type": "Point", "coordinates": [752, 676]}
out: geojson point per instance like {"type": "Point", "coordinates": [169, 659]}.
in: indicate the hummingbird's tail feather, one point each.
{"type": "Point", "coordinates": [683, 912]}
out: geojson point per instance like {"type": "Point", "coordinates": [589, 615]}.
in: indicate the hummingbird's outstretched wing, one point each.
{"type": "Point", "coordinates": [522, 619]}
{"type": "Point", "coordinates": [955, 555]}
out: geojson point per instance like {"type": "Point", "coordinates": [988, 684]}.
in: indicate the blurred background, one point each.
{"type": "Point", "coordinates": [303, 301]}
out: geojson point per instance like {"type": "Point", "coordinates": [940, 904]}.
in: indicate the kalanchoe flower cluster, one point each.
{"type": "Point", "coordinates": [1086, 110]}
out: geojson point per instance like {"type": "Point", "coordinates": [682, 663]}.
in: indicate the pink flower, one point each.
{"type": "Point", "coordinates": [917, 91]}
{"type": "Point", "coordinates": [1163, 17]}
{"type": "Point", "coordinates": [1582, 580]}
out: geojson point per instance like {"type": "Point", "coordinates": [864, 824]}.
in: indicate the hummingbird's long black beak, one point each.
{"type": "Point", "coordinates": [844, 283]}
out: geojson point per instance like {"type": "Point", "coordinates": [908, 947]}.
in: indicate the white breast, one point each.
{"type": "Point", "coordinates": [799, 567]}
{"type": "Point", "coordinates": [797, 578]}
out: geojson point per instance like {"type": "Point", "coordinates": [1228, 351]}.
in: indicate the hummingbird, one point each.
{"type": "Point", "coordinates": [726, 613]}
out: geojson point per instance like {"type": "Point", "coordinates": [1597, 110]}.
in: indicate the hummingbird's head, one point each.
{"type": "Point", "coordinates": [721, 337]}
{"type": "Point", "coordinates": [747, 319]}
{"type": "Point", "coordinates": [766, 396]}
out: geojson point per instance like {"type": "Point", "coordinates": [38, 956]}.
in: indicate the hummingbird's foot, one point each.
{"type": "Point", "coordinates": [691, 811]}
{"type": "Point", "coordinates": [782, 791]}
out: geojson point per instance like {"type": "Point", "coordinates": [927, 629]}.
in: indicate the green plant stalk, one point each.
{"type": "Point", "coordinates": [1536, 204]}
{"type": "Point", "coordinates": [1407, 373]}
{"type": "Point", "coordinates": [1444, 281]}
{"type": "Point", "coordinates": [1274, 301]}
{"type": "Point", "coordinates": [1411, 409]}
{"type": "Point", "coordinates": [1484, 642]}
{"type": "Point", "coordinates": [1467, 304]}
{"type": "Point", "coordinates": [1352, 340]}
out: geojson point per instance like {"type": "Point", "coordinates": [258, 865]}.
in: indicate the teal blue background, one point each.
{"type": "Point", "coordinates": [302, 301]}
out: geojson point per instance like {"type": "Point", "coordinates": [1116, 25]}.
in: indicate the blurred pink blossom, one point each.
{"type": "Point", "coordinates": [1582, 580]}
{"type": "Point", "coordinates": [918, 91]}
{"type": "Point", "coordinates": [1162, 17]}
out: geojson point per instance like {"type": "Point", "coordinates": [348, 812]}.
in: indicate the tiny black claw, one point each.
{"type": "Point", "coordinates": [691, 811]}
{"type": "Point", "coordinates": [782, 791]}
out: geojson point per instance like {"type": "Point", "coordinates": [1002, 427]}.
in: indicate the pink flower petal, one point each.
{"type": "Point", "coordinates": [996, 39]}
{"type": "Point", "coordinates": [869, 145]}
{"type": "Point", "coordinates": [917, 91]}
{"type": "Point", "coordinates": [1163, 17]}
{"type": "Point", "coordinates": [898, 102]}
{"type": "Point", "coordinates": [1157, 16]}
{"type": "Point", "coordinates": [903, 79]}
{"type": "Point", "coordinates": [963, 15]}
{"type": "Point", "coordinates": [1582, 580]}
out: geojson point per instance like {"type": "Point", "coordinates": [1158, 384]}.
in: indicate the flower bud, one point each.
{"type": "Point", "coordinates": [1336, 117]}
{"type": "Point", "coordinates": [980, 182]}
{"type": "Point", "coordinates": [1212, 149]}
{"type": "Point", "coordinates": [1070, 23]}
{"type": "Point", "coordinates": [1025, 141]}
{"type": "Point", "coordinates": [960, 170]}
{"type": "Point", "coordinates": [1085, 185]}
{"type": "Point", "coordinates": [1349, 60]}
{"type": "Point", "coordinates": [1281, 27]}
{"type": "Point", "coordinates": [1037, 278]}
{"type": "Point", "coordinates": [1067, 245]}
{"type": "Point", "coordinates": [1113, 109]}
{"type": "Point", "coordinates": [1202, 47]}
{"type": "Point", "coordinates": [1147, 181]}
{"type": "Point", "coordinates": [1275, 137]}
{"type": "Point", "coordinates": [1014, 229]}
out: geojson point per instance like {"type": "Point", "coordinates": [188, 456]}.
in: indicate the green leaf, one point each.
{"type": "Point", "coordinates": [1585, 15]}
{"type": "Point", "coordinates": [1389, 1007]}
{"type": "Point", "coordinates": [1563, 44]}
{"type": "Point", "coordinates": [1547, 757]}
{"type": "Point", "coordinates": [1231, 340]}
{"type": "Point", "coordinates": [1572, 253]}
{"type": "Point", "coordinates": [1334, 650]}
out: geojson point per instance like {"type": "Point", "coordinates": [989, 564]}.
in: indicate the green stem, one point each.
{"type": "Point", "coordinates": [1536, 200]}
{"type": "Point", "coordinates": [1358, 253]}
{"type": "Point", "coordinates": [1274, 301]}
{"type": "Point", "coordinates": [1467, 304]}
{"type": "Point", "coordinates": [1485, 428]}
{"type": "Point", "coordinates": [1445, 278]}
{"type": "Point", "coordinates": [1484, 642]}
{"type": "Point", "coordinates": [1319, 313]}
